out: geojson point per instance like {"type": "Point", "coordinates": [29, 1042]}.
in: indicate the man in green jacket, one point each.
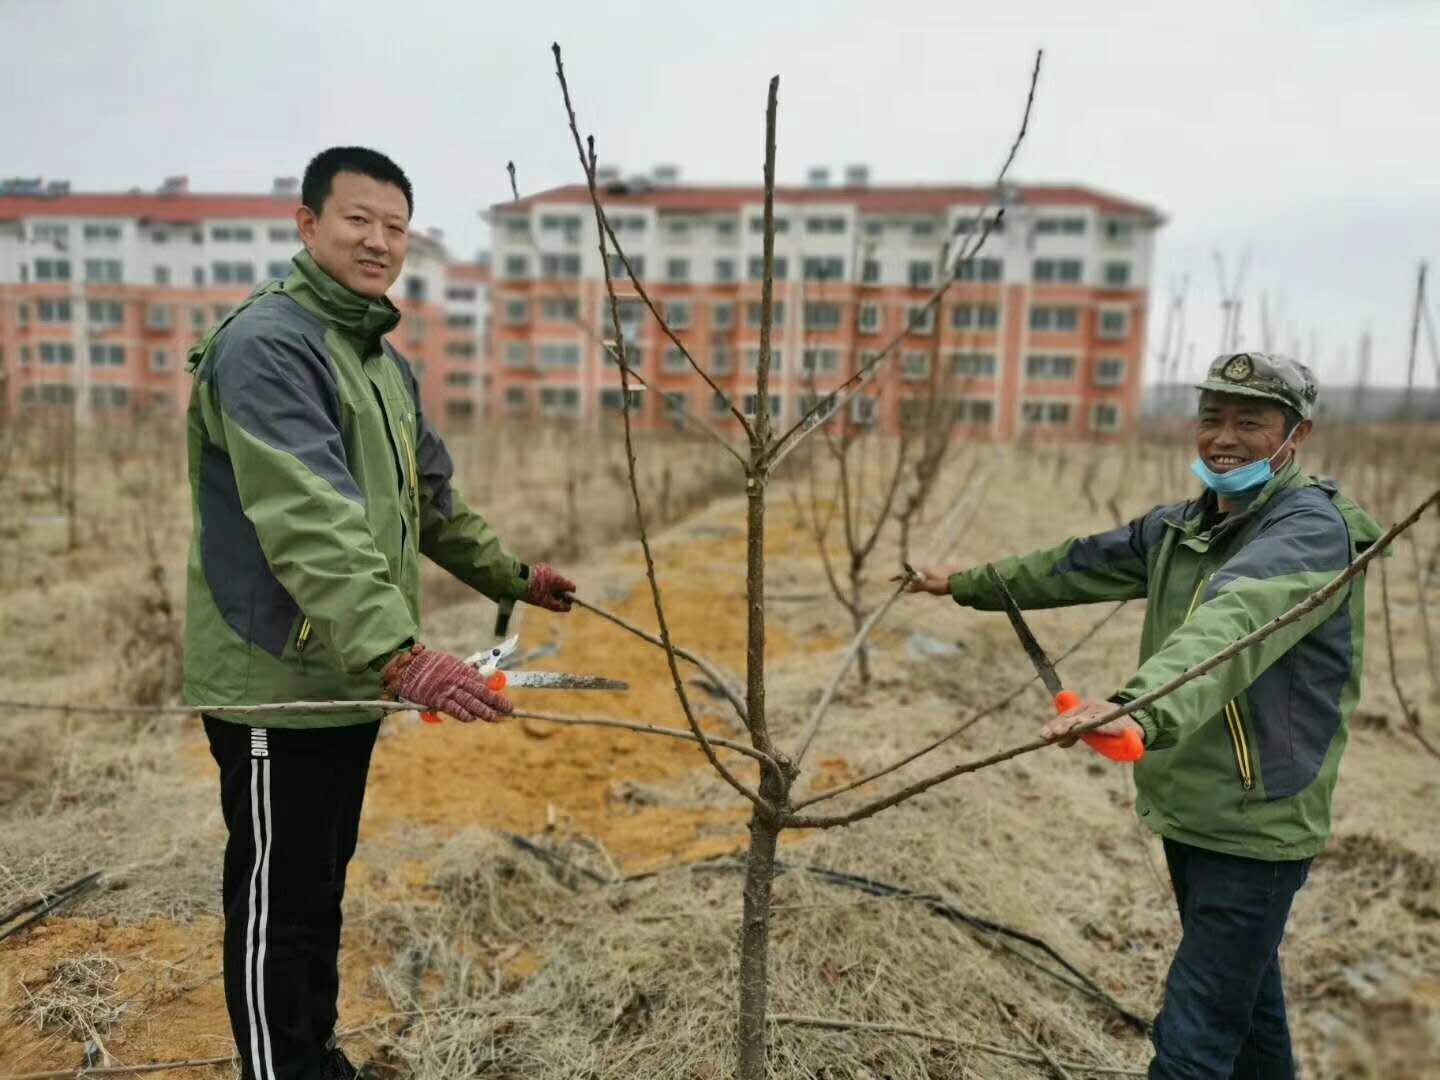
{"type": "Point", "coordinates": [317, 484]}
{"type": "Point", "coordinates": [1240, 764]}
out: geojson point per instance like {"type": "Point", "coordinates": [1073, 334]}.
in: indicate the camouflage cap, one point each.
{"type": "Point", "coordinates": [1254, 374]}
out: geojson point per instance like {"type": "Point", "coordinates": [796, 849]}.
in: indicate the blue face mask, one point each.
{"type": "Point", "coordinates": [1238, 481]}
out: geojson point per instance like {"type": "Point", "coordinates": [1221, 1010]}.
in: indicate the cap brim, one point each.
{"type": "Point", "coordinates": [1242, 391]}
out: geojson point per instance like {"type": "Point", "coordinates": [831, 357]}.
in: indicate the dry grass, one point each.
{"type": "Point", "coordinates": [78, 998]}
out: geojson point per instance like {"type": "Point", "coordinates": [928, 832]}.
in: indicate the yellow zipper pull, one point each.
{"type": "Point", "coordinates": [304, 637]}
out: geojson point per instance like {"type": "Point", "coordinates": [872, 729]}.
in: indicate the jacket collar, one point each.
{"type": "Point", "coordinates": [1207, 507]}
{"type": "Point", "coordinates": [316, 291]}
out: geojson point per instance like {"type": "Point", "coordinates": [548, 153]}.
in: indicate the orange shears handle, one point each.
{"type": "Point", "coordinates": [496, 682]}
{"type": "Point", "coordinates": [1126, 747]}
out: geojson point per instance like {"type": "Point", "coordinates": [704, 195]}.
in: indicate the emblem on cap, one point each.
{"type": "Point", "coordinates": [1239, 369]}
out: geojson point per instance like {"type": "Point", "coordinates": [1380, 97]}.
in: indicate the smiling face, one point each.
{"type": "Point", "coordinates": [1236, 430]}
{"type": "Point", "coordinates": [360, 235]}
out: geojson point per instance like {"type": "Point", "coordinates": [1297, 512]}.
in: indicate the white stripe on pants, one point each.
{"type": "Point", "coordinates": [261, 1056]}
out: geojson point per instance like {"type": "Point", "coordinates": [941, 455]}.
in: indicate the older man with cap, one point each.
{"type": "Point", "coordinates": [1240, 764]}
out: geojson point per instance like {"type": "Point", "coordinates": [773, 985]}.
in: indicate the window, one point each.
{"type": "Point", "coordinates": [1044, 366]}
{"type": "Point", "coordinates": [197, 318]}
{"type": "Point", "coordinates": [920, 319]}
{"type": "Point", "coordinates": [1054, 319]}
{"type": "Point", "coordinates": [1063, 270]}
{"type": "Point", "coordinates": [752, 360]}
{"type": "Point", "coordinates": [109, 397]}
{"type": "Point", "coordinates": [459, 378]}
{"type": "Point", "coordinates": [1109, 371]}
{"type": "Point", "coordinates": [809, 402]}
{"type": "Point", "coordinates": [517, 354]}
{"type": "Point", "coordinates": [751, 400]}
{"type": "Point", "coordinates": [870, 272]}
{"type": "Point", "coordinates": [559, 400]}
{"type": "Point", "coordinates": [280, 234]}
{"type": "Point", "coordinates": [556, 309]}
{"type": "Point", "coordinates": [628, 224]}
{"type": "Point", "coordinates": [757, 225]}
{"type": "Point", "coordinates": [678, 228]}
{"type": "Point", "coordinates": [829, 268]}
{"type": "Point", "coordinates": [52, 269]}
{"type": "Point", "coordinates": [280, 270]}
{"type": "Point", "coordinates": [974, 316]}
{"type": "Point", "coordinates": [1046, 413]}
{"type": "Point", "coordinates": [1117, 274]}
{"type": "Point", "coordinates": [517, 312]}
{"type": "Point", "coordinates": [22, 314]}
{"type": "Point", "coordinates": [753, 313]}
{"type": "Point", "coordinates": [915, 365]}
{"type": "Point", "coordinates": [1119, 232]}
{"type": "Point", "coordinates": [862, 410]}
{"type": "Point", "coordinates": [461, 350]}
{"type": "Point", "coordinates": [557, 267]}
{"type": "Point", "coordinates": [109, 233]}
{"type": "Point", "coordinates": [674, 360]}
{"type": "Point", "coordinates": [725, 228]}
{"type": "Point", "coordinates": [719, 404]}
{"type": "Point", "coordinates": [236, 234]}
{"type": "Point", "coordinates": [52, 311]}
{"type": "Point", "coordinates": [415, 289]}
{"type": "Point", "coordinates": [1114, 323]}
{"type": "Point", "coordinates": [677, 314]}
{"type": "Point", "coordinates": [724, 270]}
{"type": "Point", "coordinates": [104, 313]}
{"type": "Point", "coordinates": [232, 273]}
{"type": "Point", "coordinates": [722, 316]}
{"type": "Point", "coordinates": [160, 361]}
{"type": "Point", "coordinates": [517, 226]}
{"type": "Point", "coordinates": [459, 409]}
{"type": "Point", "coordinates": [816, 225]}
{"type": "Point", "coordinates": [197, 276]}
{"type": "Point", "coordinates": [677, 269]}
{"type": "Point", "coordinates": [159, 316]}
{"type": "Point", "coordinates": [756, 268]}
{"type": "Point", "coordinates": [516, 397]}
{"type": "Point", "coordinates": [868, 321]}
{"type": "Point", "coordinates": [50, 232]}
{"type": "Point", "coordinates": [973, 365]}
{"type": "Point", "coordinates": [614, 400]}
{"type": "Point", "coordinates": [462, 293]}
{"type": "Point", "coordinates": [676, 404]}
{"type": "Point", "coordinates": [103, 271]}
{"type": "Point", "coordinates": [559, 223]}
{"type": "Point", "coordinates": [25, 356]}
{"type": "Point", "coordinates": [921, 273]}
{"type": "Point", "coordinates": [722, 362]}
{"type": "Point", "coordinates": [821, 361]}
{"type": "Point", "coordinates": [107, 355]}
{"type": "Point", "coordinates": [1055, 226]}
{"type": "Point", "coordinates": [56, 353]}
{"type": "Point", "coordinates": [162, 275]}
{"type": "Point", "coordinates": [824, 316]}
{"type": "Point", "coordinates": [517, 266]}
{"type": "Point", "coordinates": [1105, 416]}
{"type": "Point", "coordinates": [973, 410]}
{"type": "Point", "coordinates": [555, 355]}
{"type": "Point", "coordinates": [57, 394]}
{"type": "Point", "coordinates": [459, 320]}
{"type": "Point", "coordinates": [922, 228]}
{"type": "Point", "coordinates": [634, 357]}
{"type": "Point", "coordinates": [978, 270]}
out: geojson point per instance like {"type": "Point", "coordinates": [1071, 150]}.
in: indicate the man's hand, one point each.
{"type": "Point", "coordinates": [443, 683]}
{"type": "Point", "coordinates": [548, 588]}
{"type": "Point", "coordinates": [926, 581]}
{"type": "Point", "coordinates": [1087, 712]}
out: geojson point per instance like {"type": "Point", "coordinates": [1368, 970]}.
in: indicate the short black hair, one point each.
{"type": "Point", "coordinates": [1292, 418]}
{"type": "Point", "coordinates": [320, 174]}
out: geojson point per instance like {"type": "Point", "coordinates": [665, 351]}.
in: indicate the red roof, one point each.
{"type": "Point", "coordinates": [909, 199]}
{"type": "Point", "coordinates": [182, 208]}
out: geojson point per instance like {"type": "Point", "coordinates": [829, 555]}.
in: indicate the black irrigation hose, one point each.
{"type": "Point", "coordinates": [55, 901]}
{"type": "Point", "coordinates": [933, 903]}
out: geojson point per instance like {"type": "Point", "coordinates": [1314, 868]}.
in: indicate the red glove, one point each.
{"type": "Point", "coordinates": [547, 586]}
{"type": "Point", "coordinates": [443, 683]}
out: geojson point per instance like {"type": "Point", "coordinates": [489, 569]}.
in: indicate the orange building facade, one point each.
{"type": "Point", "coordinates": [102, 296]}
{"type": "Point", "coordinates": [1044, 331]}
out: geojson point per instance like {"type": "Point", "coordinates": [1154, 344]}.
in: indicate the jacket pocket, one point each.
{"type": "Point", "coordinates": [1240, 743]}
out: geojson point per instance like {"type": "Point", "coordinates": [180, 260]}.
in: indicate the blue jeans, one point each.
{"type": "Point", "coordinates": [1224, 1010]}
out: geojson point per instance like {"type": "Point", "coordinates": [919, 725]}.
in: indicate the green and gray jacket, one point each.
{"type": "Point", "coordinates": [1242, 760]}
{"type": "Point", "coordinates": [317, 483]}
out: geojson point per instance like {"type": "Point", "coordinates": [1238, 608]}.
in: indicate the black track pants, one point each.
{"type": "Point", "coordinates": [291, 800]}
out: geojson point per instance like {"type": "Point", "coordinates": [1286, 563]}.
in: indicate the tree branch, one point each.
{"type": "Point", "coordinates": [1055, 1066]}
{"type": "Point", "coordinates": [1408, 711]}
{"type": "Point", "coordinates": [587, 163]}
{"type": "Point", "coordinates": [1299, 611]}
{"type": "Point", "coordinates": [644, 729]}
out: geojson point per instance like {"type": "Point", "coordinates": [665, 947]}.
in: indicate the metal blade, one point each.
{"type": "Point", "coordinates": [1043, 667]}
{"type": "Point", "coordinates": [555, 680]}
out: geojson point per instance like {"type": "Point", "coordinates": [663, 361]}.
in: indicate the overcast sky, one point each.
{"type": "Point", "coordinates": [1302, 133]}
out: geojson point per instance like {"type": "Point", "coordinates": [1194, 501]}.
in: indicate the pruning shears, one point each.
{"type": "Point", "coordinates": [1126, 747]}
{"type": "Point", "coordinates": [490, 664]}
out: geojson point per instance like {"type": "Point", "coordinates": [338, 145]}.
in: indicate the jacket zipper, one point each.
{"type": "Point", "coordinates": [409, 455]}
{"type": "Point", "coordinates": [303, 638]}
{"type": "Point", "coordinates": [1233, 720]}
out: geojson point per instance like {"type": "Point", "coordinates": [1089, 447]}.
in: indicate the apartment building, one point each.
{"type": "Point", "coordinates": [1043, 332]}
{"type": "Point", "coordinates": [102, 296]}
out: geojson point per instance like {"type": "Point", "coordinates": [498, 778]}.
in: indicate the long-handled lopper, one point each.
{"type": "Point", "coordinates": [1126, 747]}
{"type": "Point", "coordinates": [488, 662]}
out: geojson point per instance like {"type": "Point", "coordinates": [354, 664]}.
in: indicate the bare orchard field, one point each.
{"type": "Point", "coordinates": [612, 952]}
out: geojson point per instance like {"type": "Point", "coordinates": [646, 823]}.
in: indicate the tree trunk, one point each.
{"type": "Point", "coordinates": [857, 620]}
{"type": "Point", "coordinates": [755, 937]}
